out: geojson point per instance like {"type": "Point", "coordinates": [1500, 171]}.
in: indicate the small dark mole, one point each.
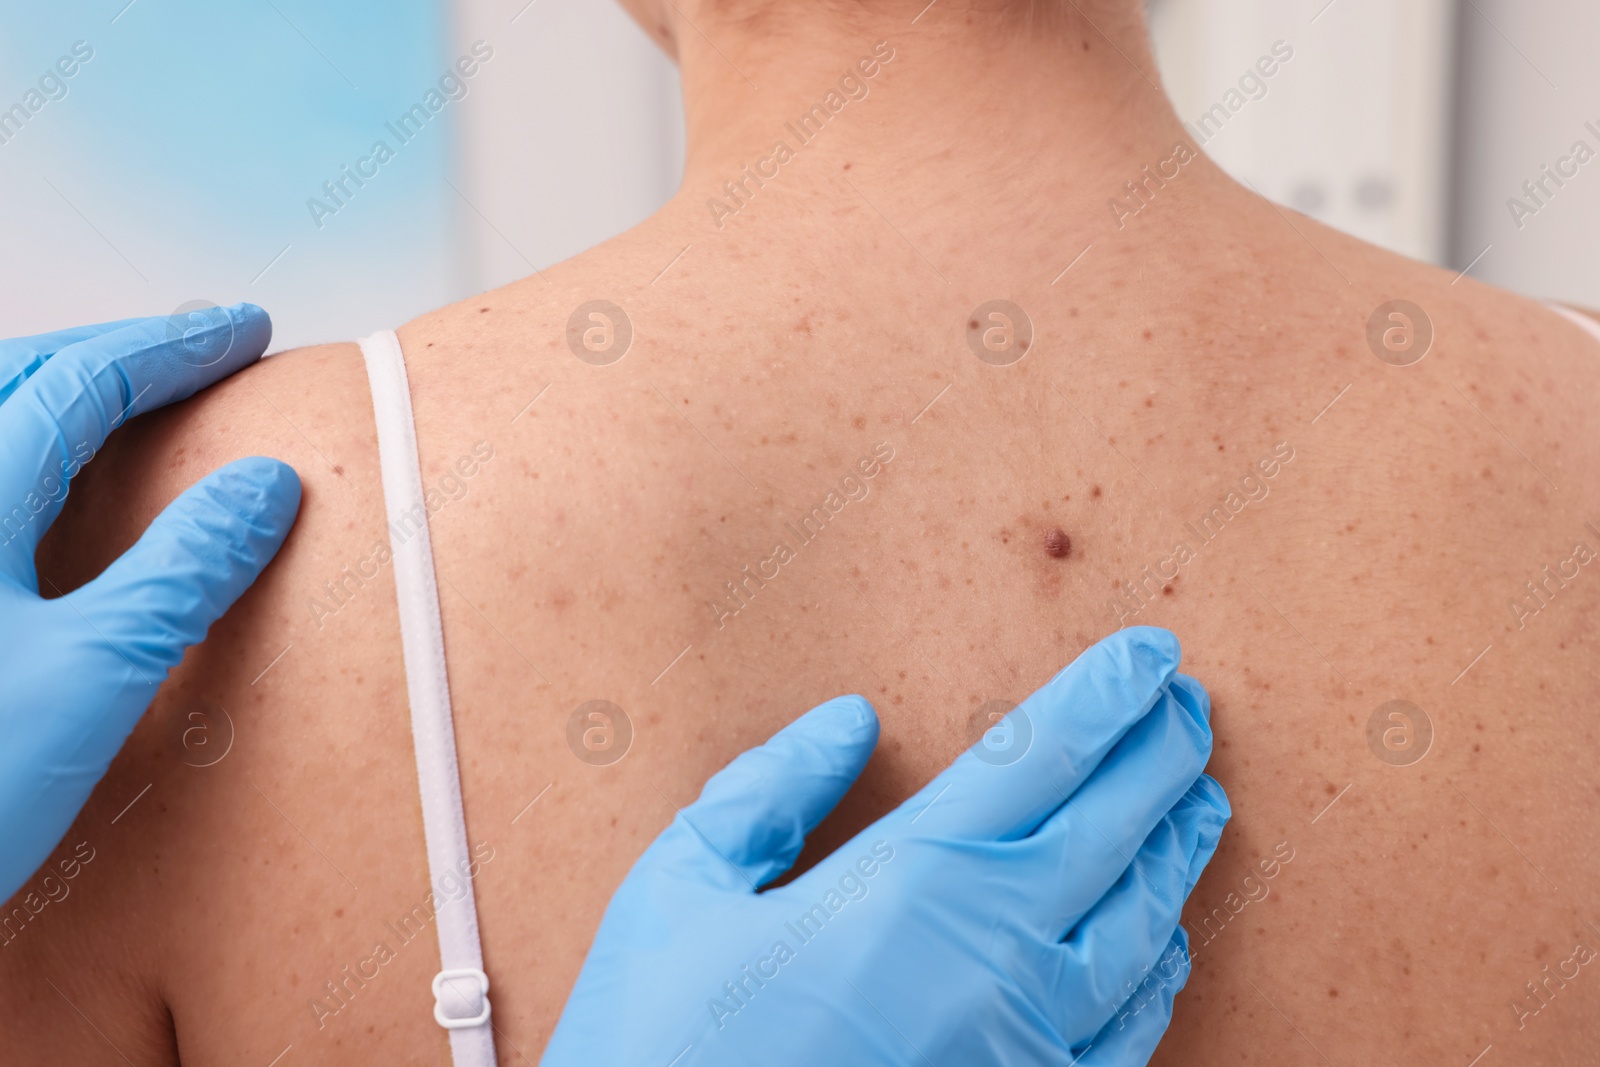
{"type": "Point", "coordinates": [1149, 403]}
{"type": "Point", "coordinates": [1057, 543]}
{"type": "Point", "coordinates": [482, 310]}
{"type": "Point", "coordinates": [1166, 590]}
{"type": "Point", "coordinates": [338, 470]}
{"type": "Point", "coordinates": [1148, 335]}
{"type": "Point", "coordinates": [973, 325]}
{"type": "Point", "coordinates": [847, 166]}
{"type": "Point", "coordinates": [1095, 492]}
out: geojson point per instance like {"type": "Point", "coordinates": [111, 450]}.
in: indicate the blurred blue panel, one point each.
{"type": "Point", "coordinates": [180, 162]}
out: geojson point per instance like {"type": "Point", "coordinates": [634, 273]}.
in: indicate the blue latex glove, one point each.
{"type": "Point", "coordinates": [77, 672]}
{"type": "Point", "coordinates": [1021, 909]}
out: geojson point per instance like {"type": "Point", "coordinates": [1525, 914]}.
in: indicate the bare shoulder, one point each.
{"type": "Point", "coordinates": [207, 811]}
{"type": "Point", "coordinates": [296, 406]}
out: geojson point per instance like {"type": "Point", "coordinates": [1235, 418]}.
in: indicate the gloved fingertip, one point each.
{"type": "Point", "coordinates": [252, 327]}
{"type": "Point", "coordinates": [845, 720]}
{"type": "Point", "coordinates": [246, 312]}
{"type": "Point", "coordinates": [1132, 654]}
{"type": "Point", "coordinates": [1155, 645]}
{"type": "Point", "coordinates": [1210, 790]}
{"type": "Point", "coordinates": [1193, 697]}
{"type": "Point", "coordinates": [1180, 939]}
{"type": "Point", "coordinates": [264, 492]}
{"type": "Point", "coordinates": [856, 715]}
{"type": "Point", "coordinates": [1207, 811]}
{"type": "Point", "coordinates": [195, 560]}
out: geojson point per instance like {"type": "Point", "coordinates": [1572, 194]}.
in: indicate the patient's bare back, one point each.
{"type": "Point", "coordinates": [822, 473]}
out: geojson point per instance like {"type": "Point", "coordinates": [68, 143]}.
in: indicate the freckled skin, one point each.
{"type": "Point", "coordinates": [582, 557]}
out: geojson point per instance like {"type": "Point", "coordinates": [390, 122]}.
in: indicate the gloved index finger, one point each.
{"type": "Point", "coordinates": [21, 356]}
{"type": "Point", "coordinates": [755, 814]}
{"type": "Point", "coordinates": [1050, 744]}
{"type": "Point", "coordinates": [60, 416]}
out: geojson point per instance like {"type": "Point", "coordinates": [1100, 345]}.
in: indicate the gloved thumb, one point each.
{"type": "Point", "coordinates": [195, 560]}
{"type": "Point", "coordinates": [753, 816]}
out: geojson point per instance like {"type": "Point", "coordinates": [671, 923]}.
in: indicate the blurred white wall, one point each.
{"type": "Point", "coordinates": [1530, 91]}
{"type": "Point", "coordinates": [1353, 128]}
{"type": "Point", "coordinates": [172, 173]}
{"type": "Point", "coordinates": [1412, 123]}
{"type": "Point", "coordinates": [577, 137]}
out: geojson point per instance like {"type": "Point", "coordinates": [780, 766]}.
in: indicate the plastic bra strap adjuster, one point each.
{"type": "Point", "coordinates": [467, 989]}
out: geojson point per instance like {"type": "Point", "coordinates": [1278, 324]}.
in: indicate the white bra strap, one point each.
{"type": "Point", "coordinates": [1582, 321]}
{"type": "Point", "coordinates": [461, 1000]}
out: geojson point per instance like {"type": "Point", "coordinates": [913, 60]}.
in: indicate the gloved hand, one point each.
{"type": "Point", "coordinates": [77, 672]}
{"type": "Point", "coordinates": [1021, 909]}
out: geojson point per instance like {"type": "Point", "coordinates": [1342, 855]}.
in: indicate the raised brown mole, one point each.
{"type": "Point", "coordinates": [1057, 543]}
